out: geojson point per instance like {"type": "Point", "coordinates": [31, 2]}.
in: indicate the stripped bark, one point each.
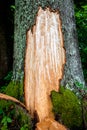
{"type": "Point", "coordinates": [44, 60]}
{"type": "Point", "coordinates": [50, 124]}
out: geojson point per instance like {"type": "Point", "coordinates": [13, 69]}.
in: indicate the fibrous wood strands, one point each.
{"type": "Point", "coordinates": [44, 61]}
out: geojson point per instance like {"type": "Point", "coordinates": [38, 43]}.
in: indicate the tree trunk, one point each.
{"type": "Point", "coordinates": [25, 32]}
{"type": "Point", "coordinates": [73, 68]}
{"type": "Point", "coordinates": [24, 20]}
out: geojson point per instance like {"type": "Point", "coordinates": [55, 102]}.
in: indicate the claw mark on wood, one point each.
{"type": "Point", "coordinates": [44, 61]}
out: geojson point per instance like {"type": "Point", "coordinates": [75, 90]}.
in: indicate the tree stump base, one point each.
{"type": "Point", "coordinates": [49, 124]}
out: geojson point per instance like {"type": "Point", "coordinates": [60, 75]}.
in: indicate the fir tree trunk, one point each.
{"type": "Point", "coordinates": [24, 20]}
{"type": "Point", "coordinates": [73, 68]}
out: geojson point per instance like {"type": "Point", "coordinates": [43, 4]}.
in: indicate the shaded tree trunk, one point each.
{"type": "Point", "coordinates": [73, 68]}
{"type": "Point", "coordinates": [24, 20]}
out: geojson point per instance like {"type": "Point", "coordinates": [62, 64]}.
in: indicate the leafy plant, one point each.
{"type": "Point", "coordinates": [8, 76]}
{"type": "Point", "coordinates": [13, 117]}
{"type": "Point", "coordinates": [6, 80]}
{"type": "Point", "coordinates": [81, 90]}
{"type": "Point", "coordinates": [81, 22]}
{"type": "Point", "coordinates": [4, 127]}
{"type": "Point", "coordinates": [12, 7]}
{"type": "Point", "coordinates": [6, 120]}
{"type": "Point", "coordinates": [25, 127]}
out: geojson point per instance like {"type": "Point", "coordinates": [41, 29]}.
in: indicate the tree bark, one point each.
{"type": "Point", "coordinates": [73, 68]}
{"type": "Point", "coordinates": [24, 20]}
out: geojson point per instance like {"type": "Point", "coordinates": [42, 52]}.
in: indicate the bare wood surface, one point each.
{"type": "Point", "coordinates": [44, 60]}
{"type": "Point", "coordinates": [50, 124]}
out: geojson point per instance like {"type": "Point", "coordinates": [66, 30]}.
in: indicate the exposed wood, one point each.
{"type": "Point", "coordinates": [50, 124]}
{"type": "Point", "coordinates": [44, 60]}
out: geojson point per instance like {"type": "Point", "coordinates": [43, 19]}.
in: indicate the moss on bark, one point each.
{"type": "Point", "coordinates": [67, 108]}
{"type": "Point", "coordinates": [15, 89]}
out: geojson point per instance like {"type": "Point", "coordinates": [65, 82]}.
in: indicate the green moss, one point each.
{"type": "Point", "coordinates": [20, 117]}
{"type": "Point", "coordinates": [24, 118]}
{"type": "Point", "coordinates": [85, 110]}
{"type": "Point", "coordinates": [14, 111]}
{"type": "Point", "coordinates": [15, 89]}
{"type": "Point", "coordinates": [67, 108]}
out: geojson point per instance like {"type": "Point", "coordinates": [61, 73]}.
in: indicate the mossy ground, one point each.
{"type": "Point", "coordinates": [85, 110]}
{"type": "Point", "coordinates": [67, 108]}
{"type": "Point", "coordinates": [21, 119]}
{"type": "Point", "coordinates": [15, 89]}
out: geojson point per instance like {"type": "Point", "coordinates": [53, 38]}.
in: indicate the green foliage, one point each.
{"type": "Point", "coordinates": [12, 7]}
{"type": "Point", "coordinates": [5, 117]}
{"type": "Point", "coordinates": [6, 120]}
{"type": "Point", "coordinates": [67, 108]}
{"type": "Point", "coordinates": [9, 117]}
{"type": "Point", "coordinates": [5, 81]}
{"type": "Point", "coordinates": [84, 103]}
{"type": "Point", "coordinates": [14, 89]}
{"type": "Point", "coordinates": [4, 127]}
{"type": "Point", "coordinates": [8, 76]}
{"type": "Point", "coordinates": [24, 119]}
{"type": "Point", "coordinates": [25, 127]}
{"type": "Point", "coordinates": [13, 117]}
{"type": "Point", "coordinates": [82, 90]}
{"type": "Point", "coordinates": [81, 22]}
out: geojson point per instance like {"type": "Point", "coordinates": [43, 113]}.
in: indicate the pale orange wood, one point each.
{"type": "Point", "coordinates": [44, 61]}
{"type": "Point", "coordinates": [50, 124]}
